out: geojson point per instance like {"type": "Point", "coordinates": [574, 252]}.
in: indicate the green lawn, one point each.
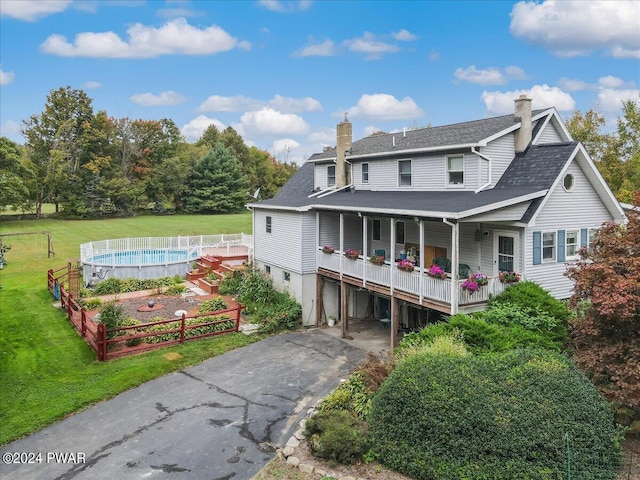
{"type": "Point", "coordinates": [46, 370]}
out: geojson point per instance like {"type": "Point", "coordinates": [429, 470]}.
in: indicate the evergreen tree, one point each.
{"type": "Point", "coordinates": [217, 184]}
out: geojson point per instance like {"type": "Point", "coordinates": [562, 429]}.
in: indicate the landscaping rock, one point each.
{"type": "Point", "coordinates": [306, 468]}
{"type": "Point", "coordinates": [294, 461]}
{"type": "Point", "coordinates": [293, 442]}
{"type": "Point", "coordinates": [299, 434]}
{"type": "Point", "coordinates": [288, 451]}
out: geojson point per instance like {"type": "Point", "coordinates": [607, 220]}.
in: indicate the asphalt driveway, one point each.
{"type": "Point", "coordinates": [219, 420]}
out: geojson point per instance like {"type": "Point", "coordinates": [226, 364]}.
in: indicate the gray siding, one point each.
{"type": "Point", "coordinates": [501, 152]}
{"type": "Point", "coordinates": [513, 213]}
{"type": "Point", "coordinates": [330, 230]}
{"type": "Point", "coordinates": [283, 246]}
{"type": "Point", "coordinates": [320, 175]}
{"type": "Point", "coordinates": [549, 134]}
{"type": "Point", "coordinates": [580, 208]}
{"type": "Point", "coordinates": [427, 173]}
{"type": "Point", "coordinates": [309, 246]}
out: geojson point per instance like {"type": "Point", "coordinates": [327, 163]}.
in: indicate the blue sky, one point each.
{"type": "Point", "coordinates": [283, 73]}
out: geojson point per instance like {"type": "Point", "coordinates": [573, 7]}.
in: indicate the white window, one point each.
{"type": "Point", "coordinates": [404, 173]}
{"type": "Point", "coordinates": [365, 173]}
{"type": "Point", "coordinates": [455, 170]}
{"type": "Point", "coordinates": [286, 277]}
{"type": "Point", "coordinates": [268, 226]}
{"type": "Point", "coordinates": [331, 175]}
{"type": "Point", "coordinates": [375, 234]}
{"type": "Point", "coordinates": [572, 244]}
{"type": "Point", "coordinates": [399, 232]}
{"type": "Point", "coordinates": [592, 237]}
{"type": "Point", "coordinates": [267, 269]}
{"type": "Point", "coordinates": [549, 247]}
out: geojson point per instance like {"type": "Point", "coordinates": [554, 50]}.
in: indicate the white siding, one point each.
{"type": "Point", "coordinates": [549, 134]}
{"type": "Point", "coordinates": [580, 208]}
{"type": "Point", "coordinates": [469, 248]}
{"type": "Point", "coordinates": [320, 175]}
{"type": "Point", "coordinates": [501, 152]}
{"type": "Point", "coordinates": [330, 230]}
{"type": "Point", "coordinates": [283, 246]}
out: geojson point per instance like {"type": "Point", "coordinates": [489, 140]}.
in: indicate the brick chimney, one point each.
{"type": "Point", "coordinates": [523, 113]}
{"type": "Point", "coordinates": [343, 145]}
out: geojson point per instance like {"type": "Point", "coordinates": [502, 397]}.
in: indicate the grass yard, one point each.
{"type": "Point", "coordinates": [46, 370]}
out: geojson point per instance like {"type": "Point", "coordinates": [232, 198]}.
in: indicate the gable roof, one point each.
{"type": "Point", "coordinates": [527, 179]}
{"type": "Point", "coordinates": [457, 135]}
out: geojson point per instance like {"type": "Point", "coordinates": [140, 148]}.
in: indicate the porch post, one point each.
{"type": "Point", "coordinates": [319, 299]}
{"type": "Point", "coordinates": [392, 249]}
{"type": "Point", "coordinates": [317, 234]}
{"type": "Point", "coordinates": [395, 323]}
{"type": "Point", "coordinates": [455, 255]}
{"type": "Point", "coordinates": [422, 265]}
{"type": "Point", "coordinates": [341, 243]}
{"type": "Point", "coordinates": [344, 308]}
{"type": "Point", "coordinates": [365, 250]}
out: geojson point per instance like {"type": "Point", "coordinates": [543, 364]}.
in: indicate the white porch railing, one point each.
{"type": "Point", "coordinates": [436, 289]}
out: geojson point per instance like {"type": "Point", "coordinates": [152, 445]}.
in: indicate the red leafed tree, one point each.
{"type": "Point", "coordinates": [607, 336]}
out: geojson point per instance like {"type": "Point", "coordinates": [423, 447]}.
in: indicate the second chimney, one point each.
{"type": "Point", "coordinates": [343, 145]}
{"type": "Point", "coordinates": [523, 113]}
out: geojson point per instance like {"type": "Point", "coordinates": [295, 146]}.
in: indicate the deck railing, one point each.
{"type": "Point", "coordinates": [436, 289]}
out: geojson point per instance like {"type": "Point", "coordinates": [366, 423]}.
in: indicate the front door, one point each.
{"type": "Point", "coordinates": [505, 253]}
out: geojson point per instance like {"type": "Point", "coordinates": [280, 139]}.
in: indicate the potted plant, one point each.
{"type": "Point", "coordinates": [351, 254]}
{"type": "Point", "coordinates": [480, 278]}
{"type": "Point", "coordinates": [328, 249]}
{"type": "Point", "coordinates": [509, 277]}
{"type": "Point", "coordinates": [436, 272]}
{"type": "Point", "coordinates": [470, 285]}
{"type": "Point", "coordinates": [406, 265]}
{"type": "Point", "coordinates": [377, 259]}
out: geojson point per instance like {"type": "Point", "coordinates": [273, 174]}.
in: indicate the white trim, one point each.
{"type": "Point", "coordinates": [555, 246]}
{"type": "Point", "coordinates": [415, 150]}
{"type": "Point", "coordinates": [362, 164]}
{"type": "Point", "coordinates": [490, 175]}
{"type": "Point", "coordinates": [410, 172]}
{"type": "Point", "coordinates": [575, 256]}
{"type": "Point", "coordinates": [496, 247]}
{"type": "Point", "coordinates": [448, 184]}
{"type": "Point", "coordinates": [573, 182]}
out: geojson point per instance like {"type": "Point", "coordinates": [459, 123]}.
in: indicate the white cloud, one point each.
{"type": "Point", "coordinates": [175, 37]}
{"type": "Point", "coordinates": [268, 121]}
{"type": "Point", "coordinates": [32, 10]}
{"type": "Point", "coordinates": [283, 149]}
{"type": "Point", "coordinates": [178, 12]}
{"type": "Point", "coordinates": [381, 106]}
{"type": "Point", "coordinates": [569, 29]}
{"type": "Point", "coordinates": [542, 96]}
{"type": "Point", "coordinates": [614, 82]}
{"type": "Point", "coordinates": [285, 6]}
{"type": "Point", "coordinates": [370, 46]}
{"type": "Point", "coordinates": [10, 129]}
{"type": "Point", "coordinates": [575, 85]}
{"type": "Point", "coordinates": [610, 100]}
{"type": "Point", "coordinates": [90, 85]}
{"type": "Point", "coordinates": [323, 137]}
{"type": "Point", "coordinates": [295, 105]}
{"type": "Point", "coordinates": [370, 130]}
{"type": "Point", "coordinates": [168, 98]}
{"type": "Point", "coordinates": [193, 130]}
{"type": "Point", "coordinates": [240, 103]}
{"type": "Point", "coordinates": [489, 76]}
{"type": "Point", "coordinates": [6, 77]}
{"type": "Point", "coordinates": [324, 49]}
{"type": "Point", "coordinates": [404, 36]}
{"type": "Point", "coordinates": [434, 55]}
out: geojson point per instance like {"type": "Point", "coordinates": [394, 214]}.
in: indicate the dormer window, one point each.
{"type": "Point", "coordinates": [567, 182]}
{"type": "Point", "coordinates": [404, 173]}
{"type": "Point", "coordinates": [365, 173]}
{"type": "Point", "coordinates": [331, 175]}
{"type": "Point", "coordinates": [455, 170]}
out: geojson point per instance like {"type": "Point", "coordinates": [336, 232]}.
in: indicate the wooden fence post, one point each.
{"type": "Point", "coordinates": [238, 309]}
{"type": "Point", "coordinates": [182, 329]}
{"type": "Point", "coordinates": [101, 341]}
{"type": "Point", "coordinates": [83, 322]}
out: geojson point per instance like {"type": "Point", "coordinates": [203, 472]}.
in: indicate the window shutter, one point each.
{"type": "Point", "coordinates": [561, 246]}
{"type": "Point", "coordinates": [584, 237]}
{"type": "Point", "coordinates": [537, 248]}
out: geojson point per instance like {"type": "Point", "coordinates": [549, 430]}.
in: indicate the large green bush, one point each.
{"type": "Point", "coordinates": [117, 285]}
{"type": "Point", "coordinates": [492, 417]}
{"type": "Point", "coordinates": [481, 336]}
{"type": "Point", "coordinates": [531, 296]}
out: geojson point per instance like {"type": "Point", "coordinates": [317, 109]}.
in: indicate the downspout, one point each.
{"type": "Point", "coordinates": [253, 237]}
{"type": "Point", "coordinates": [365, 249]}
{"type": "Point", "coordinates": [454, 264]}
{"type": "Point", "coordinates": [341, 243]}
{"type": "Point", "coordinates": [422, 265]}
{"type": "Point", "coordinates": [392, 254]}
{"type": "Point", "coordinates": [473, 150]}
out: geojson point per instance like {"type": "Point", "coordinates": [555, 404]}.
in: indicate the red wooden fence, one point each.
{"type": "Point", "coordinates": [96, 333]}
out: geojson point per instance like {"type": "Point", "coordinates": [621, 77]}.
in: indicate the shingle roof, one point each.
{"type": "Point", "coordinates": [430, 137]}
{"type": "Point", "coordinates": [537, 167]}
{"type": "Point", "coordinates": [531, 172]}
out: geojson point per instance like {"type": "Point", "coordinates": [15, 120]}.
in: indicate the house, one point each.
{"type": "Point", "coordinates": [512, 193]}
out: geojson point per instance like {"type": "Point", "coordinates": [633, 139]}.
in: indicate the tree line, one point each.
{"type": "Point", "coordinates": [91, 164]}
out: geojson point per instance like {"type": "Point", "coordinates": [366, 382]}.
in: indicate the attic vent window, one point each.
{"type": "Point", "coordinates": [568, 182]}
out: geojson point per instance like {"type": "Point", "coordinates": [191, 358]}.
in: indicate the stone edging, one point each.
{"type": "Point", "coordinates": [297, 441]}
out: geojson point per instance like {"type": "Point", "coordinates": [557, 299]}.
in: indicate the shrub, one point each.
{"type": "Point", "coordinates": [117, 285]}
{"type": "Point", "coordinates": [111, 315]}
{"type": "Point", "coordinates": [130, 322]}
{"type": "Point", "coordinates": [212, 305]}
{"type": "Point", "coordinates": [481, 336]}
{"type": "Point", "coordinates": [491, 417]}
{"type": "Point", "coordinates": [337, 436]}
{"type": "Point", "coordinates": [532, 297]}
{"type": "Point", "coordinates": [107, 286]}
{"type": "Point", "coordinates": [91, 304]}
{"type": "Point", "coordinates": [175, 289]}
{"type": "Point", "coordinates": [448, 344]}
{"type": "Point", "coordinates": [283, 314]}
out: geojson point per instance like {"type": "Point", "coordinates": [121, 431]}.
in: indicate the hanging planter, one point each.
{"type": "Point", "coordinates": [480, 278]}
{"type": "Point", "coordinates": [509, 277]}
{"type": "Point", "coordinates": [406, 265]}
{"type": "Point", "coordinates": [377, 259]}
{"type": "Point", "coordinates": [436, 272]}
{"type": "Point", "coordinates": [328, 249]}
{"type": "Point", "coordinates": [351, 254]}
